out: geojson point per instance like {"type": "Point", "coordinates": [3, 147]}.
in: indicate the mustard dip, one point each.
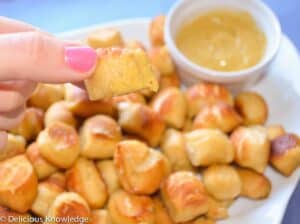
{"type": "Point", "coordinates": [223, 40]}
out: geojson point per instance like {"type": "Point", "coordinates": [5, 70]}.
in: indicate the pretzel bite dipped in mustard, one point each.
{"type": "Point", "coordinates": [60, 112]}
{"type": "Point", "coordinates": [142, 121]}
{"type": "Point", "coordinates": [131, 209]}
{"type": "Point", "coordinates": [208, 146]}
{"type": "Point", "coordinates": [174, 148]}
{"type": "Point", "coordinates": [218, 116]}
{"type": "Point", "coordinates": [80, 105]}
{"type": "Point", "coordinates": [45, 95]}
{"type": "Point", "coordinates": [252, 107]}
{"type": "Point", "coordinates": [84, 179]}
{"type": "Point", "coordinates": [18, 185]}
{"type": "Point", "coordinates": [69, 205]}
{"type": "Point", "coordinates": [170, 103]}
{"type": "Point", "coordinates": [107, 37]}
{"type": "Point", "coordinates": [31, 124]}
{"type": "Point", "coordinates": [140, 169]}
{"type": "Point", "coordinates": [252, 147]}
{"type": "Point", "coordinates": [202, 94]}
{"type": "Point", "coordinates": [42, 167]}
{"type": "Point", "coordinates": [285, 153]}
{"type": "Point", "coordinates": [184, 196]}
{"type": "Point", "coordinates": [59, 144]}
{"type": "Point", "coordinates": [222, 182]}
{"type": "Point", "coordinates": [254, 185]}
{"type": "Point", "coordinates": [99, 136]}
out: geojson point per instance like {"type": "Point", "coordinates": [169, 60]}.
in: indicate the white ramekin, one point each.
{"type": "Point", "coordinates": [186, 10]}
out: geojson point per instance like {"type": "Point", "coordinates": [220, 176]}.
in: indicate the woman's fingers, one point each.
{"type": "Point", "coordinates": [12, 26]}
{"type": "Point", "coordinates": [41, 58]}
{"type": "Point", "coordinates": [13, 94]}
{"type": "Point", "coordinates": [11, 119]}
{"type": "Point", "coordinates": [3, 139]}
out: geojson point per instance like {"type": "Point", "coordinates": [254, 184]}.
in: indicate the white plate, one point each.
{"type": "Point", "coordinates": [281, 89]}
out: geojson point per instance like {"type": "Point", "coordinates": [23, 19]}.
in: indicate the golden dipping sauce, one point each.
{"type": "Point", "coordinates": [223, 40]}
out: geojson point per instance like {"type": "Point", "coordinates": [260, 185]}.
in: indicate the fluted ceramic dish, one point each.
{"type": "Point", "coordinates": [281, 89]}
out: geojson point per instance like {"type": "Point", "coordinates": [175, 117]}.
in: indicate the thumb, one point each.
{"type": "Point", "coordinates": [41, 58]}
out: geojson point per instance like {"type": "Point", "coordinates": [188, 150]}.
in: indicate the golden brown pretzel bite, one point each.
{"type": "Point", "coordinates": [285, 153]}
{"type": "Point", "coordinates": [140, 168]}
{"type": "Point", "coordinates": [142, 121]}
{"type": "Point", "coordinates": [125, 208]}
{"type": "Point", "coordinates": [156, 30]}
{"type": "Point", "coordinates": [103, 38]}
{"type": "Point", "coordinates": [275, 131]}
{"type": "Point", "coordinates": [222, 182]}
{"type": "Point", "coordinates": [84, 178]}
{"type": "Point", "coordinates": [100, 216]}
{"type": "Point", "coordinates": [99, 136]}
{"type": "Point", "coordinates": [161, 60]}
{"type": "Point", "coordinates": [208, 146]}
{"type": "Point", "coordinates": [252, 107]}
{"type": "Point", "coordinates": [59, 144]}
{"type": "Point", "coordinates": [184, 196]}
{"type": "Point", "coordinates": [18, 185]}
{"type": "Point", "coordinates": [252, 147]}
{"type": "Point", "coordinates": [15, 145]}
{"type": "Point", "coordinates": [170, 103]}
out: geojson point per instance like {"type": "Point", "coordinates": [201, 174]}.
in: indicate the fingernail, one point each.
{"type": "Point", "coordinates": [81, 59]}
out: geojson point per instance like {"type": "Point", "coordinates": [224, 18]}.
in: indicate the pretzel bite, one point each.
{"type": "Point", "coordinates": [184, 196]}
{"type": "Point", "coordinates": [58, 179]}
{"type": "Point", "coordinates": [275, 131]}
{"type": "Point", "coordinates": [171, 80]}
{"type": "Point", "coordinates": [131, 97]}
{"type": "Point", "coordinates": [47, 192]}
{"type": "Point", "coordinates": [100, 216]}
{"type": "Point", "coordinates": [69, 205]}
{"type": "Point", "coordinates": [203, 94]}
{"type": "Point", "coordinates": [99, 136]}
{"type": "Point", "coordinates": [217, 209]}
{"type": "Point", "coordinates": [31, 124]}
{"type": "Point", "coordinates": [254, 185]}
{"type": "Point", "coordinates": [45, 95]}
{"type": "Point", "coordinates": [208, 146]}
{"type": "Point", "coordinates": [80, 105]}
{"type": "Point", "coordinates": [252, 107]}
{"type": "Point", "coordinates": [60, 111]}
{"type": "Point", "coordinates": [285, 153]}
{"type": "Point", "coordinates": [84, 178]}
{"type": "Point", "coordinates": [140, 168]}
{"type": "Point", "coordinates": [134, 44]}
{"type": "Point", "coordinates": [15, 145]}
{"type": "Point", "coordinates": [161, 214]}
{"type": "Point", "coordinates": [188, 125]}
{"type": "Point", "coordinates": [156, 30]}
{"type": "Point", "coordinates": [125, 208]}
{"type": "Point", "coordinates": [201, 220]}
{"type": "Point", "coordinates": [109, 175]}
{"type": "Point", "coordinates": [103, 38]}
{"type": "Point", "coordinates": [174, 148]}
{"type": "Point", "coordinates": [161, 60]}
{"type": "Point", "coordinates": [121, 71]}
{"type": "Point", "coordinates": [8, 216]}
{"type": "Point", "coordinates": [222, 182]}
{"type": "Point", "coordinates": [218, 116]}
{"type": "Point", "coordinates": [41, 166]}
{"type": "Point", "coordinates": [18, 185]}
{"type": "Point", "coordinates": [142, 121]}
{"type": "Point", "coordinates": [59, 144]}
{"type": "Point", "coordinates": [171, 105]}
{"type": "Point", "coordinates": [252, 147]}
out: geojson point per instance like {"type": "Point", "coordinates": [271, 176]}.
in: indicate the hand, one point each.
{"type": "Point", "coordinates": [28, 56]}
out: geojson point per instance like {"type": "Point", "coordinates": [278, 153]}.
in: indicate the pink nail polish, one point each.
{"type": "Point", "coordinates": [81, 59]}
